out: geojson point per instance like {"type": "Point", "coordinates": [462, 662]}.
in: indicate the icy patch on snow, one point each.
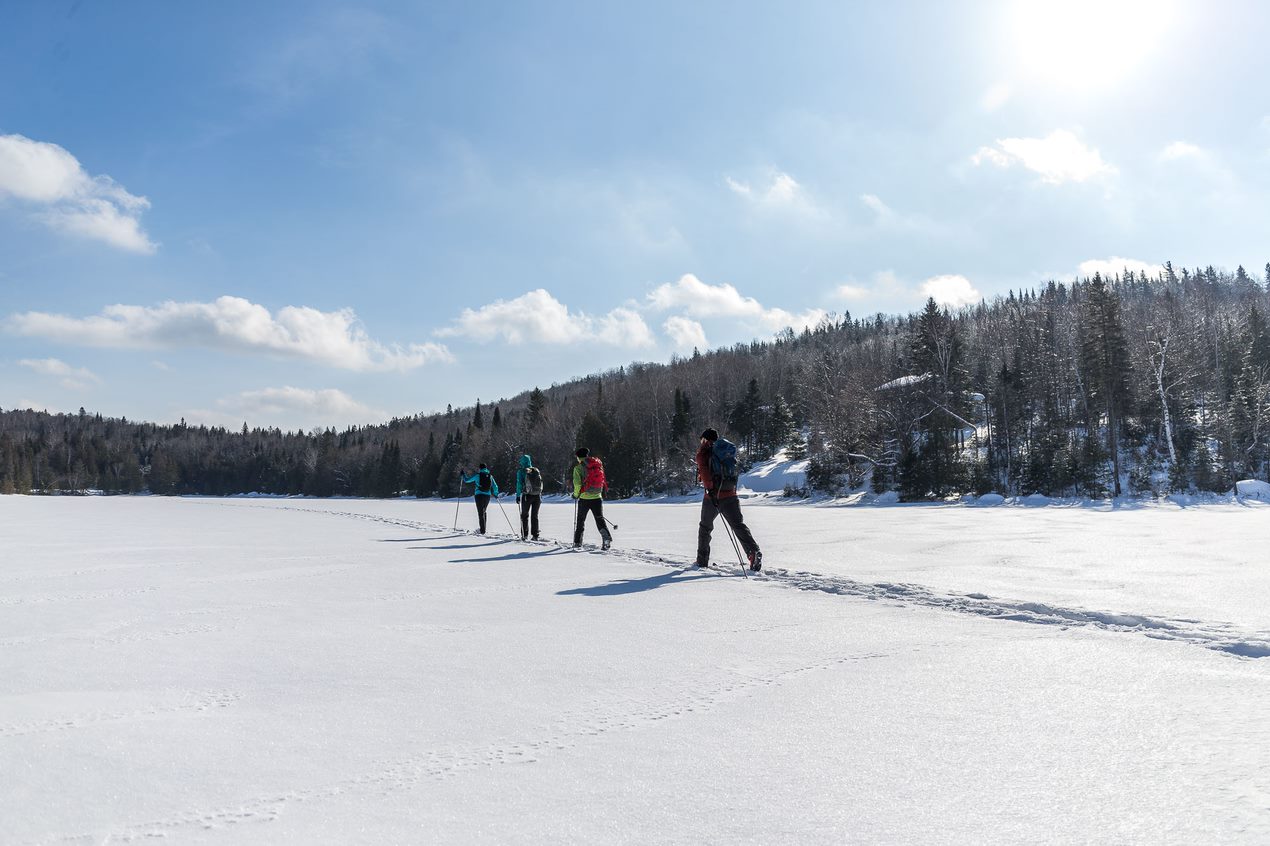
{"type": "Point", "coordinates": [775, 474]}
{"type": "Point", "coordinates": [1253, 489]}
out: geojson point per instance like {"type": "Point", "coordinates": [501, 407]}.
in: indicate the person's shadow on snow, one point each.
{"type": "Point", "coordinates": [511, 556]}
{"type": "Point", "coordinates": [464, 545]}
{"type": "Point", "coordinates": [623, 586]}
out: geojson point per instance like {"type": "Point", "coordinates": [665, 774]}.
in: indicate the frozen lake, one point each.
{"type": "Point", "coordinates": [356, 671]}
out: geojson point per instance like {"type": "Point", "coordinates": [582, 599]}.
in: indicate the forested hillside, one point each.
{"type": "Point", "coordinates": [1099, 387]}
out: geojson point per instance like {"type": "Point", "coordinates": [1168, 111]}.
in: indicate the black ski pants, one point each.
{"type": "Point", "coordinates": [730, 508]}
{"type": "Point", "coordinates": [482, 503]}
{"type": "Point", "coordinates": [529, 505]}
{"type": "Point", "coordinates": [590, 506]}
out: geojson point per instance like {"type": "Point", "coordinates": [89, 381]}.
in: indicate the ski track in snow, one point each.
{"type": "Point", "coordinates": [567, 730]}
{"type": "Point", "coordinates": [92, 596]}
{"type": "Point", "coordinates": [191, 702]}
{"type": "Point", "coordinates": [1221, 637]}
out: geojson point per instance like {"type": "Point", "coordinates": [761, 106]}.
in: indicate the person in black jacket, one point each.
{"type": "Point", "coordinates": [528, 496]}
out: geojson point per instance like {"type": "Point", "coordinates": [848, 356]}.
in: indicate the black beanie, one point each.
{"type": "Point", "coordinates": [710, 435]}
{"type": "Point", "coordinates": [582, 452]}
{"type": "Point", "coordinates": [483, 467]}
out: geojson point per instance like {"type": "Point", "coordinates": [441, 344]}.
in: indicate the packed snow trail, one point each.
{"type": "Point", "coordinates": [1223, 637]}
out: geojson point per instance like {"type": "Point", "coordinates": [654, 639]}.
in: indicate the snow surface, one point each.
{"type": "Point", "coordinates": [1253, 489]}
{"type": "Point", "coordinates": [773, 475]}
{"type": "Point", "coordinates": [352, 671]}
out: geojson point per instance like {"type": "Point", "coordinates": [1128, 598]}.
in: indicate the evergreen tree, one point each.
{"type": "Point", "coordinates": [779, 428]}
{"type": "Point", "coordinates": [680, 421]}
{"type": "Point", "coordinates": [535, 409]}
{"type": "Point", "coordinates": [595, 434]}
{"type": "Point", "coordinates": [1105, 359]}
{"type": "Point", "coordinates": [931, 464]}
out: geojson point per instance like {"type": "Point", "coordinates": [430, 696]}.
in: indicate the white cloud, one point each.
{"type": "Point", "coordinates": [697, 299]}
{"type": "Point", "coordinates": [852, 292]}
{"type": "Point", "coordinates": [287, 408]}
{"type": "Point", "coordinates": [781, 193]}
{"type": "Point", "coordinates": [881, 209]}
{"type": "Point", "coordinates": [69, 377]}
{"type": "Point", "coordinates": [952, 290]}
{"type": "Point", "coordinates": [538, 317]}
{"type": "Point", "coordinates": [65, 197]}
{"type": "Point", "coordinates": [236, 325]}
{"type": "Point", "coordinates": [328, 403]}
{"type": "Point", "coordinates": [1110, 267]}
{"type": "Point", "coordinates": [1205, 164]}
{"type": "Point", "coordinates": [1181, 150]}
{"type": "Point", "coordinates": [1059, 157]}
{"type": "Point", "coordinates": [886, 289]}
{"type": "Point", "coordinates": [686, 333]}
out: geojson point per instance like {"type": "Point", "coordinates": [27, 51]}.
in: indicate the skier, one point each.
{"type": "Point", "coordinates": [716, 470]}
{"type": "Point", "coordinates": [485, 488]}
{"type": "Point", "coordinates": [528, 496]}
{"type": "Point", "coordinates": [589, 486]}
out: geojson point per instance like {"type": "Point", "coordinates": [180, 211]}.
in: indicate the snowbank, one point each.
{"type": "Point", "coordinates": [773, 475]}
{"type": "Point", "coordinates": [1253, 489]}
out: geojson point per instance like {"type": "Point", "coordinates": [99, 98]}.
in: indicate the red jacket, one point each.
{"type": "Point", "coordinates": [705, 477]}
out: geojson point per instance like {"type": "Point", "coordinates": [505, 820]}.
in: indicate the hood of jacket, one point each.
{"type": "Point", "coordinates": [526, 462]}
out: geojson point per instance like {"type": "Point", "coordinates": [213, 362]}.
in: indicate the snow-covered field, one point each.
{"type": "Point", "coordinates": [304, 671]}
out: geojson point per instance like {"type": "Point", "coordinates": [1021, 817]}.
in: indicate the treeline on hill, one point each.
{"type": "Point", "coordinates": [1131, 385]}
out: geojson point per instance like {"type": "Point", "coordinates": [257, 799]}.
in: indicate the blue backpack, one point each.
{"type": "Point", "coordinates": [723, 461]}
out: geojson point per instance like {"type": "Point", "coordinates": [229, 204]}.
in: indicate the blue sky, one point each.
{"type": "Point", "coordinates": [307, 214]}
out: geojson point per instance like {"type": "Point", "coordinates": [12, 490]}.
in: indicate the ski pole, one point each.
{"type": "Point", "coordinates": [610, 522]}
{"type": "Point", "coordinates": [499, 500]}
{"type": "Point", "coordinates": [458, 498]}
{"type": "Point", "coordinates": [727, 528]}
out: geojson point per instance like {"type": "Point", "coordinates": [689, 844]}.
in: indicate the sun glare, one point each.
{"type": "Point", "coordinates": [1086, 45]}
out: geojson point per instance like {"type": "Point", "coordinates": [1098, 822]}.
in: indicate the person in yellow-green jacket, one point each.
{"type": "Point", "coordinates": [589, 486]}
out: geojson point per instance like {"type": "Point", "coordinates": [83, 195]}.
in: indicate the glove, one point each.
{"type": "Point", "coordinates": [518, 499]}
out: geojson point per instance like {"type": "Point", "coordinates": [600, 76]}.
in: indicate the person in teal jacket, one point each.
{"type": "Point", "coordinates": [528, 496]}
{"type": "Point", "coordinates": [485, 488]}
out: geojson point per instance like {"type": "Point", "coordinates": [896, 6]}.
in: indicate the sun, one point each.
{"type": "Point", "coordinates": [1085, 45]}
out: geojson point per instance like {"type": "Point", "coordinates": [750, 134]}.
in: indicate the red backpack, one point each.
{"type": "Point", "coordinates": [594, 480]}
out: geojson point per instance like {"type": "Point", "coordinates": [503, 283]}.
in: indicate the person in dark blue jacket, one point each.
{"type": "Point", "coordinates": [485, 488]}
